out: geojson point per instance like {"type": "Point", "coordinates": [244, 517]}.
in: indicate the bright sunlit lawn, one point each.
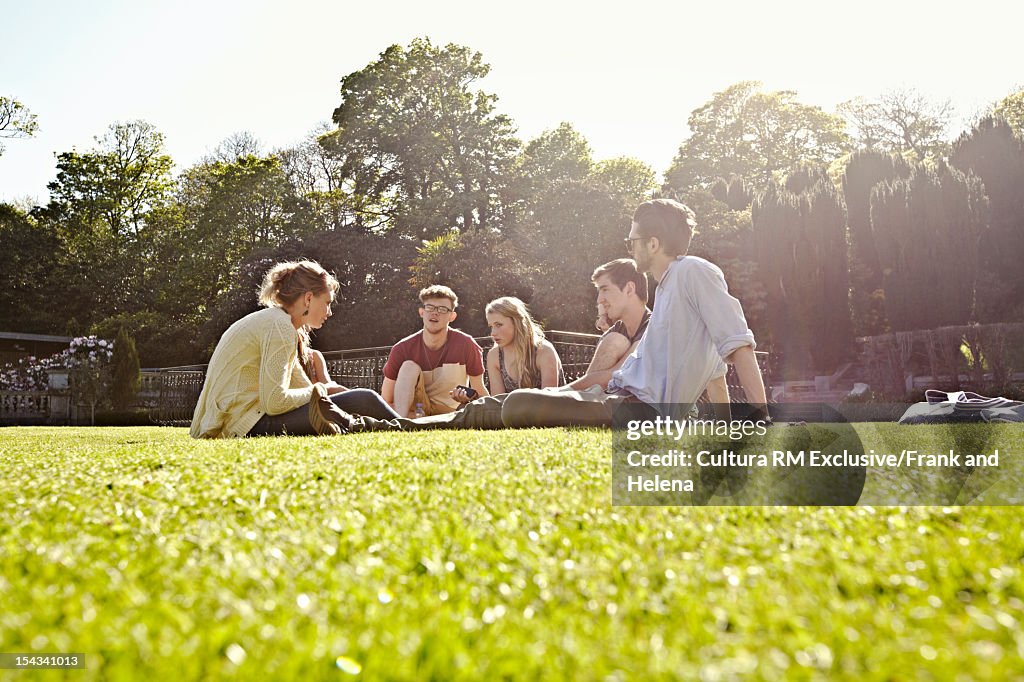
{"type": "Point", "coordinates": [472, 555]}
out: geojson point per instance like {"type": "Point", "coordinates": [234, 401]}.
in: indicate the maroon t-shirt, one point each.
{"type": "Point", "coordinates": [460, 348]}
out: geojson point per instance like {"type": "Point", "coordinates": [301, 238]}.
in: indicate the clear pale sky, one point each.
{"type": "Point", "coordinates": [626, 75]}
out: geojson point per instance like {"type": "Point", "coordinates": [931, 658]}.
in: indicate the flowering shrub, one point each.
{"type": "Point", "coordinates": [87, 350]}
{"type": "Point", "coordinates": [86, 356]}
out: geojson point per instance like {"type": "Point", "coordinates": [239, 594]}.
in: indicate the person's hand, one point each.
{"type": "Point", "coordinates": [334, 387]}
{"type": "Point", "coordinates": [458, 394]}
{"type": "Point", "coordinates": [603, 324]}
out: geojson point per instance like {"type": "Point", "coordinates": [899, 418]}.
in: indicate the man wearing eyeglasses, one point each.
{"type": "Point", "coordinates": [696, 327]}
{"type": "Point", "coordinates": [425, 368]}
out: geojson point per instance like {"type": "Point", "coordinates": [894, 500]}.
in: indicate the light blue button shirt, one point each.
{"type": "Point", "coordinates": [695, 325]}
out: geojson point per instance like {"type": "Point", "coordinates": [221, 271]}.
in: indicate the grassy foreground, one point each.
{"type": "Point", "coordinates": [472, 555]}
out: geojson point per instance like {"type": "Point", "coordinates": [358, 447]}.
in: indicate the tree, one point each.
{"type": "Point", "coordinates": [1011, 110]}
{"type": "Point", "coordinates": [424, 148]}
{"type": "Point", "coordinates": [755, 135]}
{"type": "Point", "coordinates": [125, 376]}
{"type": "Point", "coordinates": [800, 239]}
{"type": "Point", "coordinates": [560, 196]}
{"type": "Point", "coordinates": [479, 267]}
{"type": "Point", "coordinates": [865, 170]}
{"type": "Point", "coordinates": [319, 176]}
{"type": "Point", "coordinates": [732, 192]}
{"type": "Point", "coordinates": [118, 183]}
{"type": "Point", "coordinates": [16, 121]}
{"type": "Point", "coordinates": [927, 229]}
{"type": "Point", "coordinates": [29, 252]}
{"type": "Point", "coordinates": [375, 306]}
{"type": "Point", "coordinates": [900, 121]}
{"type": "Point", "coordinates": [234, 147]}
{"type": "Point", "coordinates": [99, 205]}
{"type": "Point", "coordinates": [221, 213]}
{"type": "Point", "coordinates": [993, 152]}
{"type": "Point", "coordinates": [559, 155]}
{"type": "Point", "coordinates": [228, 211]}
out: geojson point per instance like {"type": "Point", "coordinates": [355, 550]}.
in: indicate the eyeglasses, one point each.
{"type": "Point", "coordinates": [628, 241]}
{"type": "Point", "coordinates": [431, 308]}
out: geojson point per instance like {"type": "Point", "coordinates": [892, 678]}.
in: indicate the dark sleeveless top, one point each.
{"type": "Point", "coordinates": [620, 328]}
{"type": "Point", "coordinates": [511, 384]}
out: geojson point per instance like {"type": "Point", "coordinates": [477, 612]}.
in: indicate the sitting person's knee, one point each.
{"type": "Point", "coordinates": [410, 368]}
{"type": "Point", "coordinates": [518, 408]}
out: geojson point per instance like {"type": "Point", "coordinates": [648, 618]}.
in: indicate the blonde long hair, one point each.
{"type": "Point", "coordinates": [522, 361]}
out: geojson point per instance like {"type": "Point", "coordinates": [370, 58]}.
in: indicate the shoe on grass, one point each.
{"type": "Point", "coordinates": [326, 418]}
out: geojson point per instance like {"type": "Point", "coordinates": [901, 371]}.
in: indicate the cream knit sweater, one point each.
{"type": "Point", "coordinates": [254, 371]}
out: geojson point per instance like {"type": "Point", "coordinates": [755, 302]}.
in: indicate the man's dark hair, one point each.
{"type": "Point", "coordinates": [671, 222]}
{"type": "Point", "coordinates": [622, 271]}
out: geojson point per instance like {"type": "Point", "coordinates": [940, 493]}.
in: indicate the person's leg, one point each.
{"type": "Point", "coordinates": [407, 383]}
{"type": "Point", "coordinates": [293, 423]}
{"type": "Point", "coordinates": [364, 402]}
{"type": "Point", "coordinates": [482, 413]}
{"type": "Point", "coordinates": [536, 407]}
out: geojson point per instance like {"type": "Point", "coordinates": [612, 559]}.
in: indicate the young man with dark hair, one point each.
{"type": "Point", "coordinates": [622, 302]}
{"type": "Point", "coordinates": [423, 369]}
{"type": "Point", "coordinates": [622, 298]}
{"type": "Point", "coordinates": [696, 327]}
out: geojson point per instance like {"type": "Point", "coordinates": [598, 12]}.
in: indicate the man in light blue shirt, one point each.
{"type": "Point", "coordinates": [696, 327]}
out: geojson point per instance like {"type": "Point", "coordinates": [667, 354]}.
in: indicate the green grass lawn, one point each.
{"type": "Point", "coordinates": [473, 555]}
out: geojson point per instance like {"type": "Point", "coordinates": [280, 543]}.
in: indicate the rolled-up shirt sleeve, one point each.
{"type": "Point", "coordinates": [720, 311]}
{"type": "Point", "coordinates": [277, 359]}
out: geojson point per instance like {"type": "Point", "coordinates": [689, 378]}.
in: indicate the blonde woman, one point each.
{"type": "Point", "coordinates": [254, 383]}
{"type": "Point", "coordinates": [521, 357]}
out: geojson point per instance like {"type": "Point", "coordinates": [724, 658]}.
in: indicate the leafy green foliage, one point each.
{"type": "Point", "coordinates": [1011, 110]}
{"type": "Point", "coordinates": [570, 215]}
{"type": "Point", "coordinates": [483, 555]}
{"type": "Point", "coordinates": [479, 267]}
{"type": "Point", "coordinates": [318, 175]}
{"type": "Point", "coordinates": [16, 121]}
{"type": "Point", "coordinates": [28, 259]}
{"type": "Point", "coordinates": [865, 170]}
{"type": "Point", "coordinates": [800, 240]}
{"type": "Point", "coordinates": [993, 152]}
{"type": "Point", "coordinates": [235, 208]}
{"type": "Point", "coordinates": [900, 121]}
{"type": "Point", "coordinates": [125, 377]}
{"type": "Point", "coordinates": [421, 142]}
{"type": "Point", "coordinates": [99, 206]}
{"type": "Point", "coordinates": [732, 192]}
{"type": "Point", "coordinates": [927, 229]}
{"type": "Point", "coordinates": [758, 136]}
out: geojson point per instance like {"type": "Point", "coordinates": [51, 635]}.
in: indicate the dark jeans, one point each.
{"type": "Point", "coordinates": [482, 413]}
{"type": "Point", "coordinates": [526, 408]}
{"type": "Point", "coordinates": [360, 401]}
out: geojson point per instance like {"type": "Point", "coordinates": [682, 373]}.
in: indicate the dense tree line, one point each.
{"type": "Point", "coordinates": [828, 225]}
